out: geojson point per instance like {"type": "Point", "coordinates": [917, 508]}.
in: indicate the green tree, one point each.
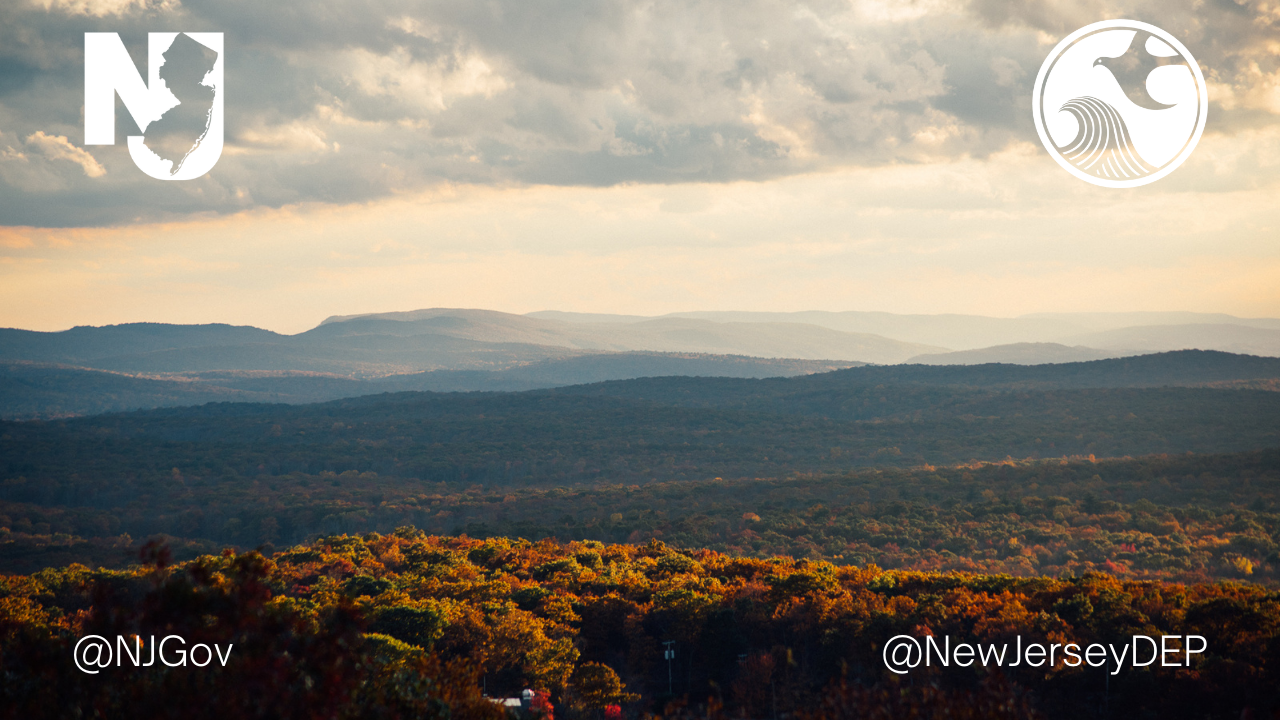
{"type": "Point", "coordinates": [596, 686]}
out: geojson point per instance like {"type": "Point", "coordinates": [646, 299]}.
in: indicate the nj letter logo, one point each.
{"type": "Point", "coordinates": [178, 109]}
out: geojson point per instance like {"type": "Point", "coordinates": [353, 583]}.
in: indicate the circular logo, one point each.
{"type": "Point", "coordinates": [1120, 103]}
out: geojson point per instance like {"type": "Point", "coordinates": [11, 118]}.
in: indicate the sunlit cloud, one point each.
{"type": "Point", "coordinates": [371, 99]}
{"type": "Point", "coordinates": [1005, 235]}
{"type": "Point", "coordinates": [57, 147]}
{"type": "Point", "coordinates": [628, 157]}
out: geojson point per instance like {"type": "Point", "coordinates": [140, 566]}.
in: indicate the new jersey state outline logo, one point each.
{"type": "Point", "coordinates": [179, 109]}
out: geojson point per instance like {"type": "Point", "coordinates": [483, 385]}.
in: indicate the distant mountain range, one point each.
{"type": "Point", "coordinates": [763, 338]}
{"type": "Point", "coordinates": [1019, 354]}
{"type": "Point", "coordinates": [1179, 330]}
{"type": "Point", "coordinates": [89, 370]}
{"type": "Point", "coordinates": [441, 339]}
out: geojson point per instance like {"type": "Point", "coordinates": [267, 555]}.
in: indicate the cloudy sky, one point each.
{"type": "Point", "coordinates": [625, 156]}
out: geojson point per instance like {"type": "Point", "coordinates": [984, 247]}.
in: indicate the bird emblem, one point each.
{"type": "Point", "coordinates": [1133, 67]}
{"type": "Point", "coordinates": [1131, 124]}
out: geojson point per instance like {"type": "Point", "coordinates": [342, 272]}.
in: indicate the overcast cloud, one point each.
{"type": "Point", "coordinates": [353, 101]}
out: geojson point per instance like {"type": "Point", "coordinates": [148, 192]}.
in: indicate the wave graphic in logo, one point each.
{"type": "Point", "coordinates": [1103, 147]}
{"type": "Point", "coordinates": [1120, 103]}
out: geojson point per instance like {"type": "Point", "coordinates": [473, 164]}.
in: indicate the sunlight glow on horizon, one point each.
{"type": "Point", "coordinates": [942, 238]}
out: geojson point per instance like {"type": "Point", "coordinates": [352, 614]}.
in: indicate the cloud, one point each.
{"type": "Point", "coordinates": [1005, 235]}
{"type": "Point", "coordinates": [101, 8]}
{"type": "Point", "coordinates": [343, 102]}
{"type": "Point", "coordinates": [57, 147]}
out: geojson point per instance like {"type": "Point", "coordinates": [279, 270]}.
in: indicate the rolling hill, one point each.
{"type": "Point", "coordinates": [1018, 354]}
{"type": "Point", "coordinates": [683, 427]}
{"type": "Point", "coordinates": [668, 334]}
{"type": "Point", "coordinates": [34, 390]}
{"type": "Point", "coordinates": [1128, 331]}
{"type": "Point", "coordinates": [88, 370]}
{"type": "Point", "coordinates": [1229, 337]}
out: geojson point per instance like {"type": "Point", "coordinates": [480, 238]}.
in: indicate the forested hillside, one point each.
{"type": "Point", "coordinates": [825, 462]}
{"type": "Point", "coordinates": [40, 391]}
{"type": "Point", "coordinates": [404, 625]}
{"type": "Point", "coordinates": [1186, 517]}
{"type": "Point", "coordinates": [422, 548]}
{"type": "Point", "coordinates": [634, 431]}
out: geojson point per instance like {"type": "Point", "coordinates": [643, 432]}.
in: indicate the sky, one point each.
{"type": "Point", "coordinates": [625, 157]}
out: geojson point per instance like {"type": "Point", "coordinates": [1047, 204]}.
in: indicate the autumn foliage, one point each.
{"type": "Point", "coordinates": [409, 625]}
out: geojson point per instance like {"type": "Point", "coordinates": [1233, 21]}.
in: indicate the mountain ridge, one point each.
{"type": "Point", "coordinates": [32, 390]}
{"type": "Point", "coordinates": [35, 390]}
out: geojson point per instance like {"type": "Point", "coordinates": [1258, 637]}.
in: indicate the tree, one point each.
{"type": "Point", "coordinates": [596, 686]}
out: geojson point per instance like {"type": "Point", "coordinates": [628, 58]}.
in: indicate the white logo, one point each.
{"type": "Point", "coordinates": [1120, 103]}
{"type": "Point", "coordinates": [179, 109]}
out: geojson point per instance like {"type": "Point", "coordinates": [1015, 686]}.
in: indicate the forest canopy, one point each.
{"type": "Point", "coordinates": [587, 624]}
{"type": "Point", "coordinates": [401, 555]}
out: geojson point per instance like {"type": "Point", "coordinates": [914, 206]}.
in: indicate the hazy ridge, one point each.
{"type": "Point", "coordinates": [88, 370]}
